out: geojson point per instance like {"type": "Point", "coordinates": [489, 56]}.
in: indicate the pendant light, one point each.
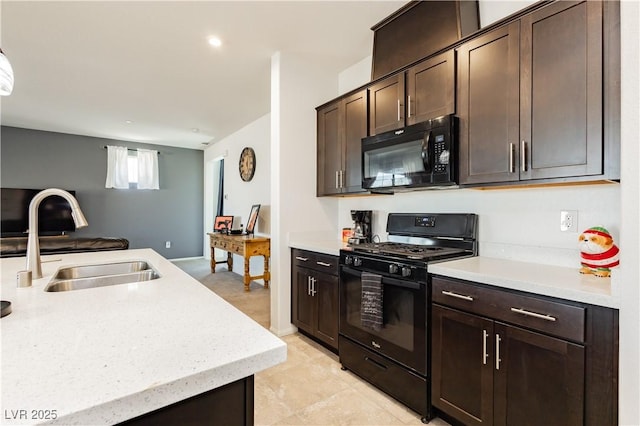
{"type": "Point", "coordinates": [6, 75]}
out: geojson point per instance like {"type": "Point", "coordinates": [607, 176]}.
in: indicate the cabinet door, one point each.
{"type": "Point", "coordinates": [539, 380]}
{"type": "Point", "coordinates": [431, 88]}
{"type": "Point", "coordinates": [326, 295]}
{"type": "Point", "coordinates": [354, 128]}
{"type": "Point", "coordinates": [561, 91]}
{"type": "Point", "coordinates": [303, 304]}
{"type": "Point", "coordinates": [386, 105]}
{"type": "Point", "coordinates": [462, 365]}
{"type": "Point", "coordinates": [329, 146]}
{"type": "Point", "coordinates": [488, 106]}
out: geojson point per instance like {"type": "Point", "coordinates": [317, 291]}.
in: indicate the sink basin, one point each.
{"type": "Point", "coordinates": [100, 269]}
{"type": "Point", "coordinates": [100, 275]}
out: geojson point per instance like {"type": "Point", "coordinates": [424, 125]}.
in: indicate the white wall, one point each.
{"type": "Point", "coordinates": [240, 195]}
{"type": "Point", "coordinates": [519, 224]}
{"type": "Point", "coordinates": [627, 282]}
{"type": "Point", "coordinates": [298, 84]}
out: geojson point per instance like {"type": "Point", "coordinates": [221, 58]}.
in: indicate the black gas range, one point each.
{"type": "Point", "coordinates": [384, 301]}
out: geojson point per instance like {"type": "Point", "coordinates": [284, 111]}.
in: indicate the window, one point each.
{"type": "Point", "coordinates": [132, 167]}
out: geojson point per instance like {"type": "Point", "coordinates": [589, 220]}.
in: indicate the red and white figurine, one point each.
{"type": "Point", "coordinates": [598, 252]}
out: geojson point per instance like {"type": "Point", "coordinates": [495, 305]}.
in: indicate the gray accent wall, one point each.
{"type": "Point", "coordinates": [38, 159]}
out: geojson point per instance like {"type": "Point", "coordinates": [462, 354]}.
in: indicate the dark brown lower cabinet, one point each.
{"type": "Point", "coordinates": [314, 296]}
{"type": "Point", "coordinates": [510, 358]}
{"type": "Point", "coordinates": [229, 405]}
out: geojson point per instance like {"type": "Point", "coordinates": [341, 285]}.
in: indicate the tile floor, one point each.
{"type": "Point", "coordinates": [309, 388]}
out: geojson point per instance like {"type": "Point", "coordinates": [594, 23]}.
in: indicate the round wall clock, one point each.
{"type": "Point", "coordinates": [247, 165]}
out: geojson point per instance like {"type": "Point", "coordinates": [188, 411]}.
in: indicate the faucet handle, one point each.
{"type": "Point", "coordinates": [24, 278]}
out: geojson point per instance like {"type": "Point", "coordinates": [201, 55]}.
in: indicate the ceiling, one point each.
{"type": "Point", "coordinates": [143, 71]}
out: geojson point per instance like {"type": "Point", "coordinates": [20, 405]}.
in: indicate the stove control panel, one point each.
{"type": "Point", "coordinates": [385, 267]}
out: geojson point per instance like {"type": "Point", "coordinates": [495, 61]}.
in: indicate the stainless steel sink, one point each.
{"type": "Point", "coordinates": [100, 269]}
{"type": "Point", "coordinates": [101, 275]}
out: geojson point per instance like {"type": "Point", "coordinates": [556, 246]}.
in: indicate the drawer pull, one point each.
{"type": "Point", "coordinates": [457, 296]}
{"type": "Point", "coordinates": [323, 264]}
{"type": "Point", "coordinates": [533, 314]}
{"type": "Point", "coordinates": [304, 259]}
{"type": "Point", "coordinates": [376, 363]}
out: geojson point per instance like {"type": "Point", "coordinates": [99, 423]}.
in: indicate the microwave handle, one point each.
{"type": "Point", "coordinates": [426, 152]}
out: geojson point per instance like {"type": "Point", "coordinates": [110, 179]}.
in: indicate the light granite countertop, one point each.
{"type": "Point", "coordinates": [317, 243]}
{"type": "Point", "coordinates": [556, 281]}
{"type": "Point", "coordinates": [105, 355]}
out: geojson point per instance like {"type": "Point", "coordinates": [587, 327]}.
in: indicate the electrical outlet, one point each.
{"type": "Point", "coordinates": [167, 244]}
{"type": "Point", "coordinates": [568, 220]}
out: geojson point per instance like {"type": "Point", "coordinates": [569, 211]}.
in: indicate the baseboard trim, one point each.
{"type": "Point", "coordinates": [291, 329]}
{"type": "Point", "coordinates": [186, 258]}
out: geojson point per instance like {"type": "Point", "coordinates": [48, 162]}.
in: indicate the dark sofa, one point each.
{"type": "Point", "coordinates": [16, 247]}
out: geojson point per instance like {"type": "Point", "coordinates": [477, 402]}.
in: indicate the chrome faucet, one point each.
{"type": "Point", "coordinates": [33, 245]}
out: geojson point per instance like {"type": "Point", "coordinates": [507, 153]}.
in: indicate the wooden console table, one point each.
{"type": "Point", "coordinates": [245, 246]}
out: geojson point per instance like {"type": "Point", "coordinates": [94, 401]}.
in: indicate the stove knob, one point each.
{"type": "Point", "coordinates": [348, 260]}
{"type": "Point", "coordinates": [393, 268]}
{"type": "Point", "coordinates": [406, 271]}
{"type": "Point", "coordinates": [357, 261]}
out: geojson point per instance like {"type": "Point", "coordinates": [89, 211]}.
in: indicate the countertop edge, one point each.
{"type": "Point", "coordinates": [158, 397]}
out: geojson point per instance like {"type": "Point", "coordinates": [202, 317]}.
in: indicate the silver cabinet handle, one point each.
{"type": "Point", "coordinates": [533, 314]}
{"type": "Point", "coordinates": [313, 287]}
{"type": "Point", "coordinates": [498, 352]}
{"type": "Point", "coordinates": [304, 259]}
{"type": "Point", "coordinates": [523, 155]}
{"type": "Point", "coordinates": [457, 296]}
{"type": "Point", "coordinates": [308, 286]}
{"type": "Point", "coordinates": [337, 179]}
{"type": "Point", "coordinates": [408, 107]}
{"type": "Point", "coordinates": [512, 160]}
{"type": "Point", "coordinates": [398, 109]}
{"type": "Point", "coordinates": [484, 347]}
{"type": "Point", "coordinates": [323, 264]}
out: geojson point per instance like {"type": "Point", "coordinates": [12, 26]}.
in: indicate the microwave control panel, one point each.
{"type": "Point", "coordinates": [441, 154]}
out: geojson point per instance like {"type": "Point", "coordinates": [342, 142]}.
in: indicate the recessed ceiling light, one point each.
{"type": "Point", "coordinates": [215, 41]}
{"type": "Point", "coordinates": [128, 121]}
{"type": "Point", "coordinates": [195, 130]}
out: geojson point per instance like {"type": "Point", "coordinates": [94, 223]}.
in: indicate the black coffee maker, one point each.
{"type": "Point", "coordinates": [361, 227]}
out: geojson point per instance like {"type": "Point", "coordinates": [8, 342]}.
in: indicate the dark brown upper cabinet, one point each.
{"type": "Point", "coordinates": [418, 30]}
{"type": "Point", "coordinates": [341, 126]}
{"type": "Point", "coordinates": [530, 98]}
{"type": "Point", "coordinates": [424, 91]}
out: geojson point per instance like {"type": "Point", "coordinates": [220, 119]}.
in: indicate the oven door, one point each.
{"type": "Point", "coordinates": [403, 335]}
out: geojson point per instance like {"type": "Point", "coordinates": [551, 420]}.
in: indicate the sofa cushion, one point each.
{"type": "Point", "coordinates": [15, 247]}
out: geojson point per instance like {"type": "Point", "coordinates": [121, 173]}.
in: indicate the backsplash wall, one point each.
{"type": "Point", "coordinates": [519, 224]}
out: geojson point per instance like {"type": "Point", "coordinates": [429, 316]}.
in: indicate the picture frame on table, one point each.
{"type": "Point", "coordinates": [222, 223]}
{"type": "Point", "coordinates": [253, 218]}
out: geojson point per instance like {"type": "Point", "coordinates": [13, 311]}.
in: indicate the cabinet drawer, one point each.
{"type": "Point", "coordinates": [553, 317]}
{"type": "Point", "coordinates": [405, 386]}
{"type": "Point", "coordinates": [317, 261]}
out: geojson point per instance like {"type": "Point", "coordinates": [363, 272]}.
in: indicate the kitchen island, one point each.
{"type": "Point", "coordinates": [106, 355]}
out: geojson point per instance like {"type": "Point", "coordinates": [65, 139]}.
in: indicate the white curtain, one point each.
{"type": "Point", "coordinates": [117, 169]}
{"type": "Point", "coordinates": [148, 169]}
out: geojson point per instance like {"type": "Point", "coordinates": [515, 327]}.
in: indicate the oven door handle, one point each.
{"type": "Point", "coordinates": [386, 280]}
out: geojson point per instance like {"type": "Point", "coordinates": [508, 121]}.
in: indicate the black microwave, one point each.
{"type": "Point", "coordinates": [420, 155]}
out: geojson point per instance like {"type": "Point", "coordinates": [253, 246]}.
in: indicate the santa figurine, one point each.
{"type": "Point", "coordinates": [597, 251]}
